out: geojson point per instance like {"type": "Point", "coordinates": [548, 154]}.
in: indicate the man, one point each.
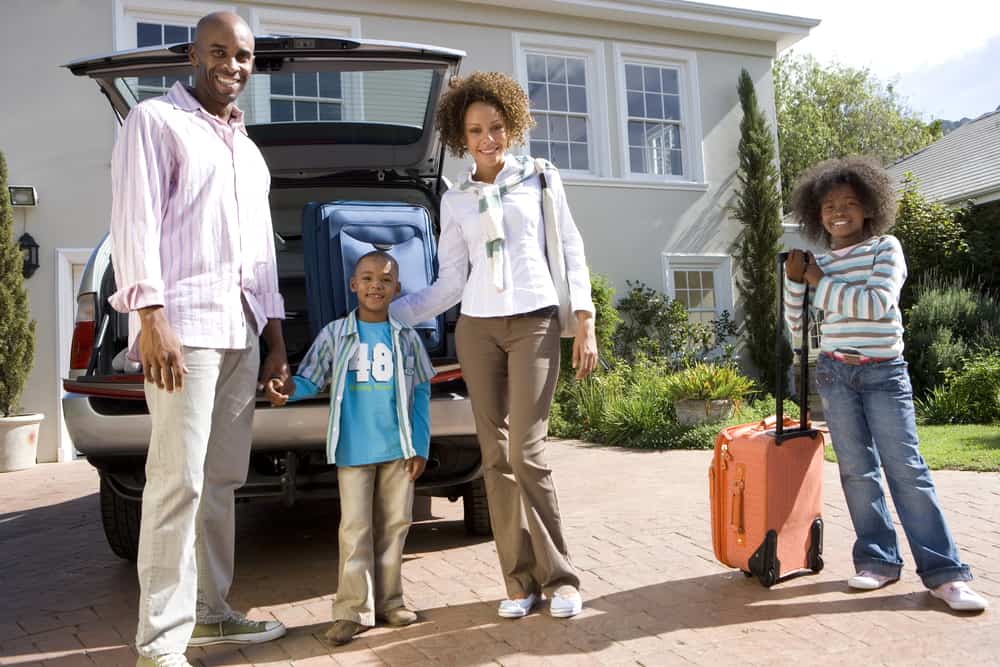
{"type": "Point", "coordinates": [193, 252]}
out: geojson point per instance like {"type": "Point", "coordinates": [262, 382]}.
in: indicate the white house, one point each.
{"type": "Point", "coordinates": [603, 77]}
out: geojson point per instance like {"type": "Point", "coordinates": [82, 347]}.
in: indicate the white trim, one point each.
{"type": "Point", "coordinates": [594, 182]}
{"type": "Point", "coordinates": [65, 307]}
{"type": "Point", "coordinates": [592, 53]}
{"type": "Point", "coordinates": [693, 148]}
{"type": "Point", "coordinates": [129, 12]}
{"type": "Point", "coordinates": [720, 265]}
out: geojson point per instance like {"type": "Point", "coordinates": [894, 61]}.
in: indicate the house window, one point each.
{"type": "Point", "coordinates": [306, 96]}
{"type": "Point", "coordinates": [159, 34]}
{"type": "Point", "coordinates": [564, 81]}
{"type": "Point", "coordinates": [703, 283]}
{"type": "Point", "coordinates": [660, 114]}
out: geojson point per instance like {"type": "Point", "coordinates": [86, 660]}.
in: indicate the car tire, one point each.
{"type": "Point", "coordinates": [120, 517]}
{"type": "Point", "coordinates": [477, 509]}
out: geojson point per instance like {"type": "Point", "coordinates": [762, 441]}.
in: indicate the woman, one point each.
{"type": "Point", "coordinates": [507, 337]}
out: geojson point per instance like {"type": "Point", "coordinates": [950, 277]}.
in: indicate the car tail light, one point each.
{"type": "Point", "coordinates": [83, 333]}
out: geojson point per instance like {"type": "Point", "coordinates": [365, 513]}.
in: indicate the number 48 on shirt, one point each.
{"type": "Point", "coordinates": [378, 365]}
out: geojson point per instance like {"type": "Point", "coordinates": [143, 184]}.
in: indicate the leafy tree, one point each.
{"type": "Point", "coordinates": [17, 329]}
{"type": "Point", "coordinates": [835, 111]}
{"type": "Point", "coordinates": [758, 207]}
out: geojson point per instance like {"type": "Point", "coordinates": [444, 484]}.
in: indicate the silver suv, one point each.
{"type": "Point", "coordinates": [336, 119]}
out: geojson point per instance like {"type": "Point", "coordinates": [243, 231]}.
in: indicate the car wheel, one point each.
{"type": "Point", "coordinates": [120, 517]}
{"type": "Point", "coordinates": [477, 509]}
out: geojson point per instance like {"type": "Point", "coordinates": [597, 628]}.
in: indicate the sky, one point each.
{"type": "Point", "coordinates": [944, 62]}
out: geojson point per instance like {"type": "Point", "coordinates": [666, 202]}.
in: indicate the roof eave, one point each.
{"type": "Point", "coordinates": [782, 30]}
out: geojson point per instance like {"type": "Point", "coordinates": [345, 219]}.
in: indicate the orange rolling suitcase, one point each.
{"type": "Point", "coordinates": [766, 485]}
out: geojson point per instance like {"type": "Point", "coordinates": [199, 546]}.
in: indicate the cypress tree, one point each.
{"type": "Point", "coordinates": [17, 329]}
{"type": "Point", "coordinates": [758, 208]}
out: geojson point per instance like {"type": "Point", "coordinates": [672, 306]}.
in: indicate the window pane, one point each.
{"type": "Point", "coordinates": [633, 77]}
{"type": "Point", "coordinates": [173, 34]}
{"type": "Point", "coordinates": [578, 99]}
{"type": "Point", "coordinates": [557, 68]}
{"type": "Point", "coordinates": [671, 107]}
{"type": "Point", "coordinates": [281, 84]}
{"type": "Point", "coordinates": [680, 279]}
{"type": "Point", "coordinates": [541, 129]}
{"type": "Point", "coordinates": [670, 81]}
{"type": "Point", "coordinates": [707, 279]}
{"type": "Point", "coordinates": [636, 160]}
{"type": "Point", "coordinates": [651, 79]}
{"type": "Point", "coordinates": [329, 111]}
{"type": "Point", "coordinates": [578, 157]}
{"type": "Point", "coordinates": [708, 299]}
{"type": "Point", "coordinates": [329, 84]}
{"type": "Point", "coordinates": [538, 95]}
{"type": "Point", "coordinates": [557, 128]}
{"type": "Point", "coordinates": [675, 136]}
{"type": "Point", "coordinates": [676, 163]}
{"type": "Point", "coordinates": [305, 85]}
{"type": "Point", "coordinates": [151, 81]}
{"type": "Point", "coordinates": [169, 81]}
{"type": "Point", "coordinates": [636, 137]}
{"type": "Point", "coordinates": [557, 97]}
{"type": "Point", "coordinates": [654, 105]}
{"type": "Point", "coordinates": [577, 129]}
{"type": "Point", "coordinates": [576, 72]}
{"type": "Point", "coordinates": [540, 149]}
{"type": "Point", "coordinates": [536, 68]}
{"type": "Point", "coordinates": [305, 111]}
{"type": "Point", "coordinates": [148, 34]}
{"type": "Point", "coordinates": [635, 105]}
{"type": "Point", "coordinates": [560, 155]}
{"type": "Point", "coordinates": [281, 111]}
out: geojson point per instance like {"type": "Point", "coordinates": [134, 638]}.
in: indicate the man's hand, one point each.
{"type": "Point", "coordinates": [415, 467]}
{"type": "Point", "coordinates": [275, 366]}
{"type": "Point", "coordinates": [584, 345]}
{"type": "Point", "coordinates": [278, 392]}
{"type": "Point", "coordinates": [160, 350]}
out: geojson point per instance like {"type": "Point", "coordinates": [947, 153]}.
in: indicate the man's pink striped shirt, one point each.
{"type": "Point", "coordinates": [191, 223]}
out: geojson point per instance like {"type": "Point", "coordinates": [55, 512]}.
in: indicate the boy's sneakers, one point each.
{"type": "Point", "coordinates": [566, 602]}
{"type": "Point", "coordinates": [237, 629]}
{"type": "Point", "coordinates": [517, 608]}
{"type": "Point", "coordinates": [870, 581]}
{"type": "Point", "coordinates": [343, 631]}
{"type": "Point", "coordinates": [959, 596]}
{"type": "Point", "coordinates": [165, 660]}
{"type": "Point", "coordinates": [399, 617]}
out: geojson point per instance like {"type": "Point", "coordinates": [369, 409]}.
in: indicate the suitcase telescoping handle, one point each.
{"type": "Point", "coordinates": [780, 433]}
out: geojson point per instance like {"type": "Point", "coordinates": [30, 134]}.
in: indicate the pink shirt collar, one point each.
{"type": "Point", "coordinates": [181, 97]}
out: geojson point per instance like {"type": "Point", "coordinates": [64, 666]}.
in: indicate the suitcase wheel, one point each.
{"type": "Point", "coordinates": [746, 574]}
{"type": "Point", "coordinates": [817, 564]}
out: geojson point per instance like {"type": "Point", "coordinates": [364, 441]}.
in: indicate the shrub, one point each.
{"type": "Point", "coordinates": [708, 382]}
{"type": "Point", "coordinates": [968, 396]}
{"type": "Point", "coordinates": [947, 323]}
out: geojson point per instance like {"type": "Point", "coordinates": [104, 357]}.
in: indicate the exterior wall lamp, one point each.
{"type": "Point", "coordinates": [29, 248]}
{"type": "Point", "coordinates": [23, 195]}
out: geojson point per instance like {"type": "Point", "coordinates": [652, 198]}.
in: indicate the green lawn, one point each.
{"type": "Point", "coordinates": [961, 447]}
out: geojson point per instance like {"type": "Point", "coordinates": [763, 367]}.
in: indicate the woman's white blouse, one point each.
{"type": "Point", "coordinates": [463, 273]}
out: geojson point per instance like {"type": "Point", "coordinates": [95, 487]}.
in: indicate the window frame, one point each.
{"type": "Point", "coordinates": [129, 13]}
{"type": "Point", "coordinates": [686, 62]}
{"type": "Point", "coordinates": [720, 265]}
{"type": "Point", "coordinates": [592, 54]}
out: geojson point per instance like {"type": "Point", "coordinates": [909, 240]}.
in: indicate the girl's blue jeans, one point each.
{"type": "Point", "coordinates": [869, 411]}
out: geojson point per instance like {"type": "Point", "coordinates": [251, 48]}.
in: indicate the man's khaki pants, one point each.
{"type": "Point", "coordinates": [511, 365]}
{"type": "Point", "coordinates": [376, 509]}
{"type": "Point", "coordinates": [199, 450]}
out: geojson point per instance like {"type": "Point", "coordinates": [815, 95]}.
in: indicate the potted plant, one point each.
{"type": "Point", "coordinates": [706, 392]}
{"type": "Point", "coordinates": [18, 431]}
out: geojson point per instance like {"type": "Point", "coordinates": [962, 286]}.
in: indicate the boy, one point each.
{"type": "Point", "coordinates": [378, 436]}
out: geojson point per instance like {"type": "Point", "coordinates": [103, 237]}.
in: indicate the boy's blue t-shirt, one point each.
{"type": "Point", "coordinates": [368, 431]}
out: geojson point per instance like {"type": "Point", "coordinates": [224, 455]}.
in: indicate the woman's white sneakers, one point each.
{"type": "Point", "coordinates": [959, 596]}
{"type": "Point", "coordinates": [870, 581]}
{"type": "Point", "coordinates": [565, 602]}
{"type": "Point", "coordinates": [517, 608]}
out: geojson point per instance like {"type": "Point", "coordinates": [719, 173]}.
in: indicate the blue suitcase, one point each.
{"type": "Point", "coordinates": [336, 234]}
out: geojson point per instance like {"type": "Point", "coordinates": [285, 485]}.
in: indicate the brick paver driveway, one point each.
{"type": "Point", "coordinates": [637, 523]}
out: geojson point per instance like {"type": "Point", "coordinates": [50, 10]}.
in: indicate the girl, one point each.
{"type": "Point", "coordinates": [847, 205]}
{"type": "Point", "coordinates": [492, 258]}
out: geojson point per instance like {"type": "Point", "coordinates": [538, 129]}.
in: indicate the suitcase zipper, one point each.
{"type": "Point", "coordinates": [736, 509]}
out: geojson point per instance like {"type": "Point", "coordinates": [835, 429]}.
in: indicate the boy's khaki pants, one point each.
{"type": "Point", "coordinates": [511, 365]}
{"type": "Point", "coordinates": [376, 509]}
{"type": "Point", "coordinates": [199, 451]}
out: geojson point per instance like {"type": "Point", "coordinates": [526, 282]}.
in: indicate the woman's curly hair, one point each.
{"type": "Point", "coordinates": [494, 88]}
{"type": "Point", "coordinates": [866, 177]}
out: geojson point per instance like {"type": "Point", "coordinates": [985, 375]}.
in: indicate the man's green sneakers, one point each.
{"type": "Point", "coordinates": [166, 660]}
{"type": "Point", "coordinates": [237, 629]}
